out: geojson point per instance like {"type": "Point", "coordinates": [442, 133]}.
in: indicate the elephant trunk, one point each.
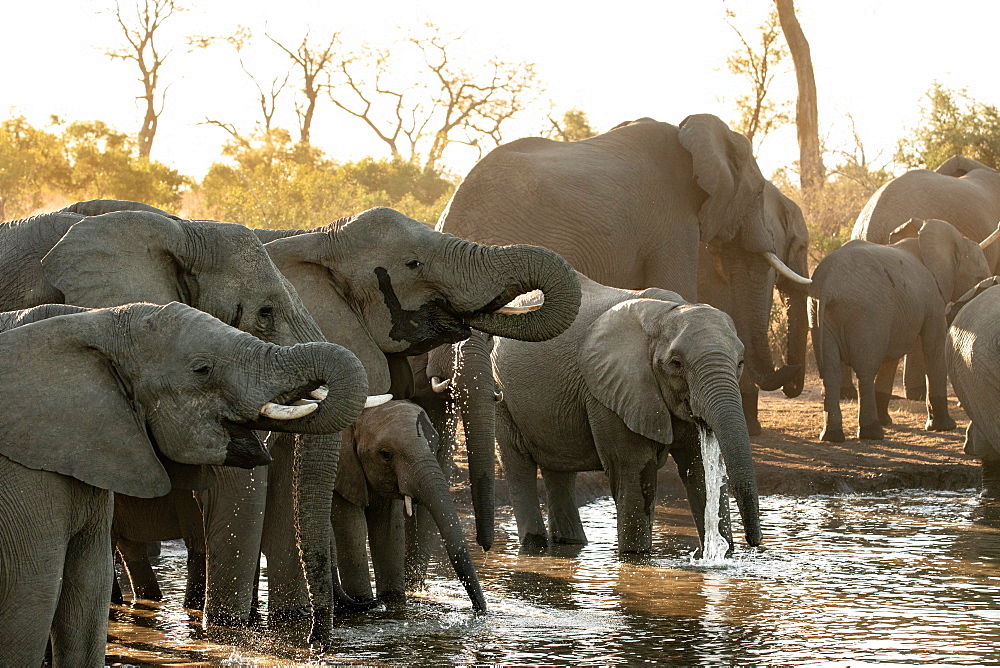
{"type": "Point", "coordinates": [476, 405]}
{"type": "Point", "coordinates": [796, 308]}
{"type": "Point", "coordinates": [510, 271]}
{"type": "Point", "coordinates": [752, 281]}
{"type": "Point", "coordinates": [716, 401]}
{"type": "Point", "coordinates": [433, 491]}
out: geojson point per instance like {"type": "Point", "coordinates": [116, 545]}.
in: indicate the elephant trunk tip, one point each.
{"type": "Point", "coordinates": [786, 375]}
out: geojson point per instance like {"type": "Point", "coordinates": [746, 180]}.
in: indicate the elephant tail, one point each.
{"type": "Point", "coordinates": [815, 327]}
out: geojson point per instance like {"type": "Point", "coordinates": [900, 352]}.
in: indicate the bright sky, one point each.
{"type": "Point", "coordinates": [873, 59]}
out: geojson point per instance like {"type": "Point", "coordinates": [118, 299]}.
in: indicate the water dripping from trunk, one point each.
{"type": "Point", "coordinates": [713, 552]}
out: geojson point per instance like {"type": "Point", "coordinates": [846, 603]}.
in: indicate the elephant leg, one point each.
{"type": "Point", "coordinates": [869, 426]}
{"type": "Point", "coordinates": [830, 370]}
{"type": "Point", "coordinates": [80, 626]}
{"type": "Point", "coordinates": [884, 381]}
{"type": "Point", "coordinates": [139, 570]}
{"type": "Point", "coordinates": [749, 396]}
{"type": "Point", "coordinates": [234, 518]}
{"type": "Point", "coordinates": [386, 537]}
{"type": "Point", "coordinates": [287, 596]}
{"type": "Point", "coordinates": [350, 532]}
{"type": "Point", "coordinates": [933, 341]}
{"type": "Point", "coordinates": [991, 478]}
{"type": "Point", "coordinates": [522, 476]}
{"type": "Point", "coordinates": [847, 391]}
{"type": "Point", "coordinates": [915, 373]}
{"type": "Point", "coordinates": [192, 525]}
{"type": "Point", "coordinates": [565, 525]}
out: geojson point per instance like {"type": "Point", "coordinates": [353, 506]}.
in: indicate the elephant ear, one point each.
{"type": "Point", "coordinates": [351, 481]}
{"type": "Point", "coordinates": [615, 360]}
{"type": "Point", "coordinates": [958, 166]}
{"type": "Point", "coordinates": [724, 167]}
{"type": "Point", "coordinates": [71, 414]}
{"type": "Point", "coordinates": [301, 260]}
{"type": "Point", "coordinates": [119, 258]}
{"type": "Point", "coordinates": [939, 251]}
{"type": "Point", "coordinates": [908, 230]}
{"type": "Point", "coordinates": [96, 207]}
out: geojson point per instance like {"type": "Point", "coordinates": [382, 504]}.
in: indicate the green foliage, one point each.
{"type": "Point", "coordinates": [275, 183]}
{"type": "Point", "coordinates": [952, 123]}
{"type": "Point", "coordinates": [574, 126]}
{"type": "Point", "coordinates": [32, 164]}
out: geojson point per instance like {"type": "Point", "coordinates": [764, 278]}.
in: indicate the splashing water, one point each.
{"type": "Point", "coordinates": [715, 547]}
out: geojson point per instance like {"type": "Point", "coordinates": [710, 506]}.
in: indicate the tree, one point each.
{"type": "Point", "coordinates": [447, 101]}
{"type": "Point", "coordinates": [32, 164]}
{"type": "Point", "coordinates": [140, 37]}
{"type": "Point", "coordinates": [574, 126]}
{"type": "Point", "coordinates": [313, 62]}
{"type": "Point", "coordinates": [952, 123]}
{"type": "Point", "coordinates": [759, 114]}
{"type": "Point", "coordinates": [811, 171]}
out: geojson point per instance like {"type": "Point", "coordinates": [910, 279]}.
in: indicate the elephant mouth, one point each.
{"type": "Point", "coordinates": [245, 449]}
{"type": "Point", "coordinates": [295, 404]}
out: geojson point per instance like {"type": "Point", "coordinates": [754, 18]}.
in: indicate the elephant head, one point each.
{"type": "Point", "coordinates": [381, 283]}
{"type": "Point", "coordinates": [124, 385]}
{"type": "Point", "coordinates": [655, 359]}
{"type": "Point", "coordinates": [391, 452]}
{"type": "Point", "coordinates": [957, 263]}
{"type": "Point", "coordinates": [735, 219]}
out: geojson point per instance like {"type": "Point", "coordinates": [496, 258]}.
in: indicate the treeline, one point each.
{"type": "Point", "coordinates": [266, 180]}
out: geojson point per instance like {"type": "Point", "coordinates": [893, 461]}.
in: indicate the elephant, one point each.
{"type": "Point", "coordinates": [870, 303]}
{"type": "Point", "coordinates": [631, 208]}
{"type": "Point", "coordinates": [117, 255]}
{"type": "Point", "coordinates": [960, 191]}
{"type": "Point", "coordinates": [791, 238]}
{"type": "Point", "coordinates": [631, 381]}
{"type": "Point", "coordinates": [389, 464]}
{"type": "Point", "coordinates": [972, 361]}
{"type": "Point", "coordinates": [111, 396]}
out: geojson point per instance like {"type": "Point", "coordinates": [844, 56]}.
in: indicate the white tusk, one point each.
{"type": "Point", "coordinates": [377, 400]}
{"type": "Point", "coordinates": [320, 392]}
{"type": "Point", "coordinates": [990, 239]}
{"type": "Point", "coordinates": [408, 504]}
{"type": "Point", "coordinates": [305, 402]}
{"type": "Point", "coordinates": [498, 396]}
{"type": "Point", "coordinates": [783, 269]}
{"type": "Point", "coordinates": [439, 385]}
{"type": "Point", "coordinates": [517, 310]}
{"type": "Point", "coordinates": [281, 412]}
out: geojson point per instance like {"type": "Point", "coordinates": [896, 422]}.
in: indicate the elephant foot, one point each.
{"type": "Point", "coordinates": [569, 539]}
{"type": "Point", "coordinates": [940, 424]}
{"type": "Point", "coordinates": [871, 432]}
{"type": "Point", "coordinates": [753, 426]}
{"type": "Point", "coordinates": [355, 605]}
{"type": "Point", "coordinates": [286, 616]}
{"type": "Point", "coordinates": [882, 408]}
{"type": "Point", "coordinates": [832, 434]}
{"type": "Point", "coordinates": [392, 599]}
{"type": "Point", "coordinates": [991, 478]}
{"type": "Point", "coordinates": [222, 620]}
{"type": "Point", "coordinates": [534, 543]}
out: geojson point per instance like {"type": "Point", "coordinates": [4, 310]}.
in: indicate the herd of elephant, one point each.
{"type": "Point", "coordinates": [153, 365]}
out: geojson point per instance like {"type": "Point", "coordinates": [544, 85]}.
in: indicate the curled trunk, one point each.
{"type": "Point", "coordinates": [796, 308]}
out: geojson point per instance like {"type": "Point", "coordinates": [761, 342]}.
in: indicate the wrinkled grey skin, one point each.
{"type": "Point", "coordinates": [391, 453]}
{"type": "Point", "coordinates": [112, 393]}
{"type": "Point", "coordinates": [619, 391]}
{"type": "Point", "coordinates": [973, 359]}
{"type": "Point", "coordinates": [386, 286]}
{"type": "Point", "coordinates": [791, 238]}
{"type": "Point", "coordinates": [872, 302]}
{"type": "Point", "coordinates": [962, 192]}
{"type": "Point", "coordinates": [102, 253]}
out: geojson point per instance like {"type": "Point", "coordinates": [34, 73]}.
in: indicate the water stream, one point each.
{"type": "Point", "coordinates": [911, 577]}
{"type": "Point", "coordinates": [716, 546]}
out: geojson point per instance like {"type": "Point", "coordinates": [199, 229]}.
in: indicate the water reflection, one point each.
{"type": "Point", "coordinates": [906, 578]}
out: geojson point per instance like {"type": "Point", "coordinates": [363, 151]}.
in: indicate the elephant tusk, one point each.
{"type": "Point", "coordinates": [320, 392]}
{"type": "Point", "coordinates": [990, 239]}
{"type": "Point", "coordinates": [377, 400]}
{"type": "Point", "coordinates": [282, 412]}
{"type": "Point", "coordinates": [439, 385]}
{"type": "Point", "coordinates": [498, 396]}
{"type": "Point", "coordinates": [517, 310]}
{"type": "Point", "coordinates": [305, 402]}
{"type": "Point", "coordinates": [784, 270]}
{"type": "Point", "coordinates": [408, 504]}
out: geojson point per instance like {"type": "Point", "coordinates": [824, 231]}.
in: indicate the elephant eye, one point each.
{"type": "Point", "coordinates": [675, 364]}
{"type": "Point", "coordinates": [201, 367]}
{"type": "Point", "coordinates": [266, 311]}
{"type": "Point", "coordinates": [413, 264]}
{"type": "Point", "coordinates": [385, 455]}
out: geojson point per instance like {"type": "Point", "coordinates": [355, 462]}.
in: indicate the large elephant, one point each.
{"type": "Point", "coordinates": [389, 464]}
{"type": "Point", "coordinates": [104, 253]}
{"type": "Point", "coordinates": [791, 238]}
{"type": "Point", "coordinates": [386, 286]}
{"type": "Point", "coordinates": [95, 401]}
{"type": "Point", "coordinates": [973, 358]}
{"type": "Point", "coordinates": [872, 302]}
{"type": "Point", "coordinates": [627, 384]}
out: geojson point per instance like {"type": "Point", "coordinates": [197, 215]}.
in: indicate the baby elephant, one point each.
{"type": "Point", "coordinates": [388, 462]}
{"type": "Point", "coordinates": [628, 383]}
{"type": "Point", "coordinates": [870, 303]}
{"type": "Point", "coordinates": [94, 402]}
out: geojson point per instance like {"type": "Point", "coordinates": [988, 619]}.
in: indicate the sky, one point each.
{"type": "Point", "coordinates": [874, 60]}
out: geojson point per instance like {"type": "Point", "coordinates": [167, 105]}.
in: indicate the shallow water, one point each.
{"type": "Point", "coordinates": [910, 577]}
